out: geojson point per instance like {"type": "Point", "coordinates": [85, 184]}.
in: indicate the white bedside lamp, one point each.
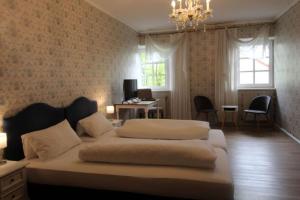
{"type": "Point", "coordinates": [110, 110]}
{"type": "Point", "coordinates": [3, 144]}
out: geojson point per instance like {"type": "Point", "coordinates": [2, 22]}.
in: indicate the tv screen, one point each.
{"type": "Point", "coordinates": [130, 89]}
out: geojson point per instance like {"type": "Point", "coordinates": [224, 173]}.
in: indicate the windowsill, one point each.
{"type": "Point", "coordinates": [257, 89]}
{"type": "Point", "coordinates": [166, 90]}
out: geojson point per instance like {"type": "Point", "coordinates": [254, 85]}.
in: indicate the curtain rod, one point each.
{"type": "Point", "coordinates": [211, 27]}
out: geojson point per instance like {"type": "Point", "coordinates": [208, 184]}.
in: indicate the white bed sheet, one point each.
{"type": "Point", "coordinates": [68, 170]}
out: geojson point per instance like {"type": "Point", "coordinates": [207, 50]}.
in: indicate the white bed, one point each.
{"type": "Point", "coordinates": [68, 170]}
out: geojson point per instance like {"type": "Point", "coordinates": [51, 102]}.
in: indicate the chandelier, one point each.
{"type": "Point", "coordinates": [190, 16]}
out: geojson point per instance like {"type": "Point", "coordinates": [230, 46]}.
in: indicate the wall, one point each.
{"type": "Point", "coordinates": [287, 70]}
{"type": "Point", "coordinates": [203, 49]}
{"type": "Point", "coordinates": [54, 51]}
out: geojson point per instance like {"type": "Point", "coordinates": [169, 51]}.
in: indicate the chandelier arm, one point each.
{"type": "Point", "coordinates": [192, 15]}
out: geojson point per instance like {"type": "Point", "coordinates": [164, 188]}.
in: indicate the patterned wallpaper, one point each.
{"type": "Point", "coordinates": [287, 70]}
{"type": "Point", "coordinates": [203, 49]}
{"type": "Point", "coordinates": [56, 50]}
{"type": "Point", "coordinates": [202, 65]}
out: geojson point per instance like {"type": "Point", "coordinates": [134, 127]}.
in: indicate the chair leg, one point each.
{"type": "Point", "coordinates": [245, 116]}
{"type": "Point", "coordinates": [257, 121]}
{"type": "Point", "coordinates": [269, 120]}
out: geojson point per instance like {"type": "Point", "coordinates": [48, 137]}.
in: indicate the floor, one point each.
{"type": "Point", "coordinates": [265, 164]}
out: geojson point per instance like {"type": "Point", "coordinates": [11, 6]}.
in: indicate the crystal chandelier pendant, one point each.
{"type": "Point", "coordinates": [192, 15]}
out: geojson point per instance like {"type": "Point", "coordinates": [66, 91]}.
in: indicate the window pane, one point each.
{"type": "Point", "coordinates": [246, 52]}
{"type": "Point", "coordinates": [160, 74]}
{"type": "Point", "coordinates": [261, 51]}
{"type": "Point", "coordinates": [246, 65]}
{"type": "Point", "coordinates": [143, 57]}
{"type": "Point", "coordinates": [262, 77]}
{"type": "Point", "coordinates": [153, 72]}
{"type": "Point", "coordinates": [154, 75]}
{"type": "Point", "coordinates": [262, 64]}
{"type": "Point", "coordinates": [147, 75]}
{"type": "Point", "coordinates": [246, 78]}
{"type": "Point", "coordinates": [258, 51]}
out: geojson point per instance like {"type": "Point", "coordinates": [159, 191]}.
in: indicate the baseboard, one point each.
{"type": "Point", "coordinates": [288, 133]}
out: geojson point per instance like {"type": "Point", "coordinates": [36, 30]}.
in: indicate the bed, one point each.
{"type": "Point", "coordinates": [67, 173]}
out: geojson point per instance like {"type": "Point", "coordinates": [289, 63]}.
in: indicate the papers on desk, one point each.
{"type": "Point", "coordinates": [131, 101]}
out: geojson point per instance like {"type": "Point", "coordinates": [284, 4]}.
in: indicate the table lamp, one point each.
{"type": "Point", "coordinates": [110, 110]}
{"type": "Point", "coordinates": [3, 144]}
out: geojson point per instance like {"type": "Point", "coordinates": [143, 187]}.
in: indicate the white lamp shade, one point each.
{"type": "Point", "coordinates": [110, 109]}
{"type": "Point", "coordinates": [3, 140]}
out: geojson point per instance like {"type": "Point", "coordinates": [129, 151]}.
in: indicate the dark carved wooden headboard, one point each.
{"type": "Point", "coordinates": [79, 109]}
{"type": "Point", "coordinates": [39, 116]}
{"type": "Point", "coordinates": [35, 117]}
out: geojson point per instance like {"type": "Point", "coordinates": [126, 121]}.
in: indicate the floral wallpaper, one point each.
{"type": "Point", "coordinates": [54, 51]}
{"type": "Point", "coordinates": [202, 65]}
{"type": "Point", "coordinates": [202, 58]}
{"type": "Point", "coordinates": [203, 49]}
{"type": "Point", "coordinates": [287, 70]}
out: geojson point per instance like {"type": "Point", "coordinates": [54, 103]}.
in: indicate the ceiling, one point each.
{"type": "Point", "coordinates": [152, 15]}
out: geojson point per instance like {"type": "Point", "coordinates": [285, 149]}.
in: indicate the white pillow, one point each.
{"type": "Point", "coordinates": [79, 130]}
{"type": "Point", "coordinates": [51, 142]}
{"type": "Point", "coordinates": [95, 125]}
{"type": "Point", "coordinates": [27, 149]}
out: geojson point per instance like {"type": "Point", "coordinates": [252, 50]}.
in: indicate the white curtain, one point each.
{"type": "Point", "coordinates": [175, 50]}
{"type": "Point", "coordinates": [225, 73]}
{"type": "Point", "coordinates": [227, 61]}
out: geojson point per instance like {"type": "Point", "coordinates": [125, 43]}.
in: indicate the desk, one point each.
{"type": "Point", "coordinates": [230, 109]}
{"type": "Point", "coordinates": [146, 105]}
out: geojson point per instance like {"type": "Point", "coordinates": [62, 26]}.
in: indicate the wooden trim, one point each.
{"type": "Point", "coordinates": [288, 133]}
{"type": "Point", "coordinates": [211, 27]}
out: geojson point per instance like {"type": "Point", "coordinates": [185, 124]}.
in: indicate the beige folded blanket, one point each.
{"type": "Point", "coordinates": [187, 153]}
{"type": "Point", "coordinates": [164, 129]}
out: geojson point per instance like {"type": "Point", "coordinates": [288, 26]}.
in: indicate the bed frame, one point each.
{"type": "Point", "coordinates": [40, 116]}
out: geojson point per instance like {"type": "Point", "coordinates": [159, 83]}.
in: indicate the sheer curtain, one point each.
{"type": "Point", "coordinates": [227, 62]}
{"type": "Point", "coordinates": [175, 50]}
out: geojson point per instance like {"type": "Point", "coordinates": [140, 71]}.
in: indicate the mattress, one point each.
{"type": "Point", "coordinates": [193, 183]}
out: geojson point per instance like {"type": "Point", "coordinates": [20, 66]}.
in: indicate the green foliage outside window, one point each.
{"type": "Point", "coordinates": [153, 73]}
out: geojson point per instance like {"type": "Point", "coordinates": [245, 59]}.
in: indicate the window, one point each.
{"type": "Point", "coordinates": [255, 66]}
{"type": "Point", "coordinates": [154, 73]}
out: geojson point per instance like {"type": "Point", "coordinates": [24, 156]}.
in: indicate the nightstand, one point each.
{"type": "Point", "coordinates": [116, 122]}
{"type": "Point", "coordinates": [13, 181]}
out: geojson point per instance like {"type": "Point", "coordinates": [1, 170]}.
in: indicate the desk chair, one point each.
{"type": "Point", "coordinates": [146, 95]}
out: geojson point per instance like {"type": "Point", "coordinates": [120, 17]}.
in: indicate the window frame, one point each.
{"type": "Point", "coordinates": [271, 72]}
{"type": "Point", "coordinates": [167, 72]}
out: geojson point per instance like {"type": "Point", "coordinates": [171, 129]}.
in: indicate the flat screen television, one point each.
{"type": "Point", "coordinates": [130, 89]}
